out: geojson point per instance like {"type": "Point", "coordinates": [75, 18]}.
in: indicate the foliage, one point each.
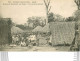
{"type": "Point", "coordinates": [77, 15]}
{"type": "Point", "coordinates": [50, 17]}
{"type": "Point", "coordinates": [55, 17]}
{"type": "Point", "coordinates": [21, 26]}
{"type": "Point", "coordinates": [37, 21]}
{"type": "Point", "coordinates": [70, 19]}
{"type": "Point", "coordinates": [77, 3]}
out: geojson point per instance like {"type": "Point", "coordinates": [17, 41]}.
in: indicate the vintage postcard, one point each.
{"type": "Point", "coordinates": [39, 25]}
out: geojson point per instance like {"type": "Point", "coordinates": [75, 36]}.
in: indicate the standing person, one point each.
{"type": "Point", "coordinates": [34, 40]}
{"type": "Point", "coordinates": [14, 39]}
{"type": "Point", "coordinates": [50, 40]}
{"type": "Point", "coordinates": [17, 40]}
{"type": "Point", "coordinates": [23, 43]}
{"type": "Point", "coordinates": [26, 41]}
{"type": "Point", "coordinates": [22, 38]}
{"type": "Point", "coordinates": [37, 39]}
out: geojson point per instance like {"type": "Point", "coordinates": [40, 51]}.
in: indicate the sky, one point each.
{"type": "Point", "coordinates": [20, 13]}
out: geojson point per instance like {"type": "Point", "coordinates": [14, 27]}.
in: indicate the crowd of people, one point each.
{"type": "Point", "coordinates": [19, 39]}
{"type": "Point", "coordinates": [28, 39]}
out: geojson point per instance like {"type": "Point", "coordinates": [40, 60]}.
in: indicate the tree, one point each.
{"type": "Point", "coordinates": [55, 18]}
{"type": "Point", "coordinates": [36, 21]}
{"type": "Point", "coordinates": [50, 17]}
{"type": "Point", "coordinates": [70, 19]}
{"type": "Point", "coordinates": [77, 35]}
{"type": "Point", "coordinates": [77, 15]}
{"type": "Point", "coordinates": [21, 26]}
{"type": "Point", "coordinates": [58, 18]}
{"type": "Point", "coordinates": [30, 20]}
{"type": "Point", "coordinates": [48, 8]}
{"type": "Point", "coordinates": [77, 3]}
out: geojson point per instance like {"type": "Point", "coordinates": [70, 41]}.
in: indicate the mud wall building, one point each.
{"type": "Point", "coordinates": [5, 31]}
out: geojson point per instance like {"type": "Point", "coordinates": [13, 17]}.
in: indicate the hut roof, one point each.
{"type": "Point", "coordinates": [62, 32]}
{"type": "Point", "coordinates": [15, 30]}
{"type": "Point", "coordinates": [38, 28]}
{"type": "Point", "coordinates": [46, 28]}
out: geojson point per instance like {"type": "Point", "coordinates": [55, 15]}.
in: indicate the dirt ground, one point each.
{"type": "Point", "coordinates": [36, 48]}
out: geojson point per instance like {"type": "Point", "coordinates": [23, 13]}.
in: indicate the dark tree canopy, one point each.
{"type": "Point", "coordinates": [70, 19]}
{"type": "Point", "coordinates": [36, 21]}
{"type": "Point", "coordinates": [50, 17]}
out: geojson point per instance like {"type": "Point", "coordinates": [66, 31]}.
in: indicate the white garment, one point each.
{"type": "Point", "coordinates": [32, 37]}
{"type": "Point", "coordinates": [50, 38]}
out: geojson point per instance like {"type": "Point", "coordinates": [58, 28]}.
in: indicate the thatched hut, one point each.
{"type": "Point", "coordinates": [46, 28]}
{"type": "Point", "coordinates": [62, 32]}
{"type": "Point", "coordinates": [37, 29]}
{"type": "Point", "coordinates": [16, 30]}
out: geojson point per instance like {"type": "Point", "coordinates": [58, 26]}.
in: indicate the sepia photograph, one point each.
{"type": "Point", "coordinates": [40, 25]}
